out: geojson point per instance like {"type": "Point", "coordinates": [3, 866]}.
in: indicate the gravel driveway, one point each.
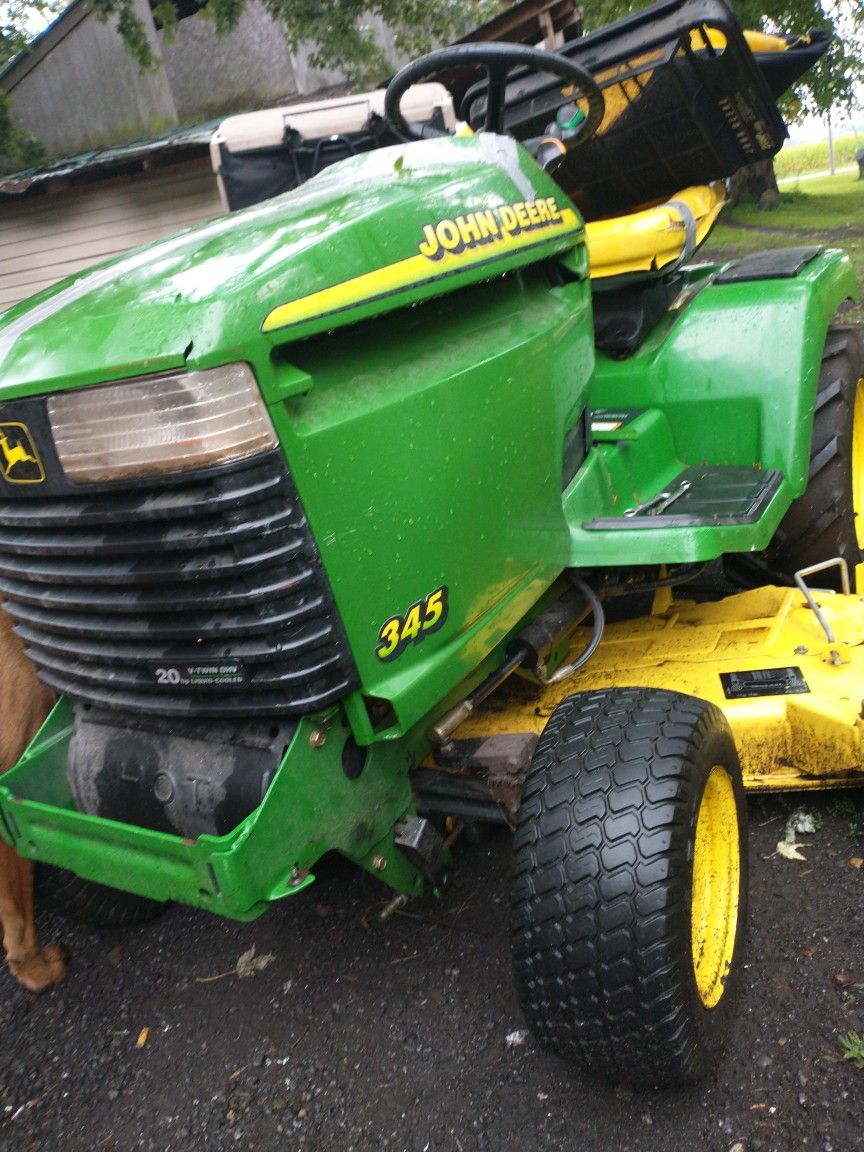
{"type": "Point", "coordinates": [350, 1033]}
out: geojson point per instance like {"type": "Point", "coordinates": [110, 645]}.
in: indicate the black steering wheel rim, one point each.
{"type": "Point", "coordinates": [499, 60]}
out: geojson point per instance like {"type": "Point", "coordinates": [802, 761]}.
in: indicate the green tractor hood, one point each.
{"type": "Point", "coordinates": [371, 234]}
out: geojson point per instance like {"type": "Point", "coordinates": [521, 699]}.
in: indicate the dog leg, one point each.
{"type": "Point", "coordinates": [34, 967]}
{"type": "Point", "coordinates": [24, 704]}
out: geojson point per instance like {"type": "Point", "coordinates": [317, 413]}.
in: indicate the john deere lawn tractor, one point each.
{"type": "Point", "coordinates": [313, 516]}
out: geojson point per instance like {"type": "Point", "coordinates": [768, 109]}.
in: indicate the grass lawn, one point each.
{"type": "Point", "coordinates": [826, 210]}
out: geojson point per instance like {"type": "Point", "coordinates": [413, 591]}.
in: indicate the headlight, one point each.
{"type": "Point", "coordinates": [168, 423]}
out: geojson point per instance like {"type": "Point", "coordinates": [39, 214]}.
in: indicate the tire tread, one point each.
{"type": "Point", "coordinates": [820, 524]}
{"type": "Point", "coordinates": [599, 900]}
{"type": "Point", "coordinates": [94, 904]}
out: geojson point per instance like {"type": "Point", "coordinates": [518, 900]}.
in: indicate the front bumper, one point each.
{"type": "Point", "coordinates": [311, 807]}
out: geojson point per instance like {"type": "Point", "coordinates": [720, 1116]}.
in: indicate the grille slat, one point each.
{"type": "Point", "coordinates": [249, 650]}
{"type": "Point", "coordinates": [155, 568]}
{"type": "Point", "coordinates": [222, 706]}
{"type": "Point", "coordinates": [177, 599]}
{"type": "Point", "coordinates": [206, 598]}
{"type": "Point", "coordinates": [134, 676]}
{"type": "Point", "coordinates": [270, 520]}
{"type": "Point", "coordinates": [270, 618]}
{"type": "Point", "coordinates": [182, 501]}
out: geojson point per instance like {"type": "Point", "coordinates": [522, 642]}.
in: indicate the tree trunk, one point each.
{"type": "Point", "coordinates": [755, 184]}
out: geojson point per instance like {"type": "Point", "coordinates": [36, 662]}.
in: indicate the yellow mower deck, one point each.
{"type": "Point", "coordinates": [793, 700]}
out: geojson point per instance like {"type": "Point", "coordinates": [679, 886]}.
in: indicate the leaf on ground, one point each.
{"type": "Point", "coordinates": [856, 862]}
{"type": "Point", "coordinates": [790, 851]}
{"type": "Point", "coordinates": [516, 1038]}
{"type": "Point", "coordinates": [803, 823]}
{"type": "Point", "coordinates": [250, 965]}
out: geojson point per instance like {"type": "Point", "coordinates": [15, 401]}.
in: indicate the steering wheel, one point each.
{"type": "Point", "coordinates": [499, 60]}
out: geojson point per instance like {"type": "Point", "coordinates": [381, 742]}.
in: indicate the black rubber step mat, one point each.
{"type": "Point", "coordinates": [775, 264]}
{"type": "Point", "coordinates": [700, 497]}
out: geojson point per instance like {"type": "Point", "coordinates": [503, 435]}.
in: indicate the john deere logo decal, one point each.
{"type": "Point", "coordinates": [475, 240]}
{"type": "Point", "coordinates": [19, 459]}
{"type": "Point", "coordinates": [502, 223]}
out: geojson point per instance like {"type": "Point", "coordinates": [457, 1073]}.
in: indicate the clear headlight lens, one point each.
{"type": "Point", "coordinates": [168, 423]}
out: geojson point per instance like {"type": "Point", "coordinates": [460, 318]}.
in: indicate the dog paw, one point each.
{"type": "Point", "coordinates": [40, 971]}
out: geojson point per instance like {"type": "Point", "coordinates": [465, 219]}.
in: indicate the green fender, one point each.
{"type": "Point", "coordinates": [727, 378]}
{"type": "Point", "coordinates": [736, 366]}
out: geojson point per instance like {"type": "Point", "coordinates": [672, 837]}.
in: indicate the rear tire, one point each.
{"type": "Point", "coordinates": [629, 889]}
{"type": "Point", "coordinates": [828, 520]}
{"type": "Point", "coordinates": [91, 903]}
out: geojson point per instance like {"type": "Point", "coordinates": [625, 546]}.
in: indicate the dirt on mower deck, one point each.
{"type": "Point", "coordinates": [321, 1028]}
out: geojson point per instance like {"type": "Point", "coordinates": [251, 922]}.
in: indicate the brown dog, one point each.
{"type": "Point", "coordinates": [24, 704]}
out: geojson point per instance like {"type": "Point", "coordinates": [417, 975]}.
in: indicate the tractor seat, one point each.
{"type": "Point", "coordinates": [653, 240]}
{"type": "Point", "coordinates": [630, 258]}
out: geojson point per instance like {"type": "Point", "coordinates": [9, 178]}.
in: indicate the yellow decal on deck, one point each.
{"type": "Point", "coordinates": [19, 457]}
{"type": "Point", "coordinates": [447, 246]}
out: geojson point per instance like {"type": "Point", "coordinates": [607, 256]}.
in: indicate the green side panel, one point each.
{"type": "Point", "coordinates": [428, 452]}
{"type": "Point", "coordinates": [311, 807]}
{"type": "Point", "coordinates": [729, 377]}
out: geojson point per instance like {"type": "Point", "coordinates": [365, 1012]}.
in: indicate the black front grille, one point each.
{"type": "Point", "coordinates": [205, 597]}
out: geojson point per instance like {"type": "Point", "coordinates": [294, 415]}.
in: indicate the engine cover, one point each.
{"type": "Point", "coordinates": [188, 778]}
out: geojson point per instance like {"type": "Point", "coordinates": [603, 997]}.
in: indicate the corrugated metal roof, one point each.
{"type": "Point", "coordinates": [176, 142]}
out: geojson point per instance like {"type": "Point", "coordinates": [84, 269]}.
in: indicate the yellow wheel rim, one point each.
{"type": "Point", "coordinates": [716, 884]}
